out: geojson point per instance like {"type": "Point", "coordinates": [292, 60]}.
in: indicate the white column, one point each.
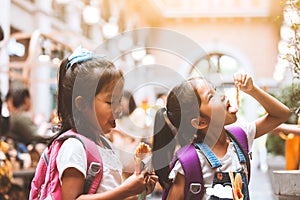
{"type": "Point", "coordinates": [42, 100]}
{"type": "Point", "coordinates": [5, 6]}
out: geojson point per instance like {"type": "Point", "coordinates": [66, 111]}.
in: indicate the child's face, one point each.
{"type": "Point", "coordinates": [108, 106]}
{"type": "Point", "coordinates": [214, 105]}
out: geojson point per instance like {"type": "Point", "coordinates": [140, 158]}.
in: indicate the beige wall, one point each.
{"type": "Point", "coordinates": [252, 42]}
{"type": "Point", "coordinates": [246, 30]}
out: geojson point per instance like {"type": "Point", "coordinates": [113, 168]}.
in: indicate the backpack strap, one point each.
{"type": "Point", "coordinates": [209, 155]}
{"type": "Point", "coordinates": [240, 135]}
{"type": "Point", "coordinates": [95, 169]}
{"type": "Point", "coordinates": [240, 140]}
{"type": "Point", "coordinates": [94, 161]}
{"type": "Point", "coordinates": [239, 151]}
{"type": "Point", "coordinates": [188, 157]}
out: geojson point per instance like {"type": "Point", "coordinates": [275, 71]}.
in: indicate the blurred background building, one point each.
{"type": "Point", "coordinates": [234, 35]}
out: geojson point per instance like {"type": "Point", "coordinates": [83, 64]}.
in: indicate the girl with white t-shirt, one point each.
{"type": "Point", "coordinates": [196, 113]}
{"type": "Point", "coordinates": [90, 89]}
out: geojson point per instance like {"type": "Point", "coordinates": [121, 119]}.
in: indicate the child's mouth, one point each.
{"type": "Point", "coordinates": [231, 109]}
{"type": "Point", "coordinates": [113, 123]}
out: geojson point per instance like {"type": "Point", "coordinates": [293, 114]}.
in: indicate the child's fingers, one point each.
{"type": "Point", "coordinates": [153, 177]}
{"type": "Point", "coordinates": [243, 82]}
{"type": "Point", "coordinates": [244, 78]}
{"type": "Point", "coordinates": [238, 79]}
{"type": "Point", "coordinates": [241, 78]}
{"type": "Point", "coordinates": [143, 173]}
{"type": "Point", "coordinates": [150, 185]}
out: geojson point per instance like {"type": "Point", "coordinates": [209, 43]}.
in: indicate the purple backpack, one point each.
{"type": "Point", "coordinates": [45, 183]}
{"type": "Point", "coordinates": [191, 166]}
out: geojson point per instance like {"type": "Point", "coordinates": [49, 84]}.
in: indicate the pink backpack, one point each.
{"type": "Point", "coordinates": [46, 184]}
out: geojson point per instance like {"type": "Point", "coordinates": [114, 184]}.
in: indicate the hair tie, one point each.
{"type": "Point", "coordinates": [79, 55]}
{"type": "Point", "coordinates": [169, 123]}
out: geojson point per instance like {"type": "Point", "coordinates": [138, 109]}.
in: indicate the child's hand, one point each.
{"type": "Point", "coordinates": [151, 182]}
{"type": "Point", "coordinates": [136, 184]}
{"type": "Point", "coordinates": [243, 82]}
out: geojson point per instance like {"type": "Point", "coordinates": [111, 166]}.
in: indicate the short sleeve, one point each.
{"type": "Point", "coordinates": [176, 169]}
{"type": "Point", "coordinates": [250, 130]}
{"type": "Point", "coordinates": [71, 154]}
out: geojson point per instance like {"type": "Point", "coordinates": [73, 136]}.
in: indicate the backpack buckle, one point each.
{"type": "Point", "coordinates": [250, 155]}
{"type": "Point", "coordinates": [195, 188]}
{"type": "Point", "coordinates": [94, 168]}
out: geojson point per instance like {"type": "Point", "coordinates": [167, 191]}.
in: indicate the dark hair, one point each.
{"type": "Point", "coordinates": [1, 33]}
{"type": "Point", "coordinates": [85, 79]}
{"type": "Point", "coordinates": [18, 96]}
{"type": "Point", "coordinates": [131, 102]}
{"type": "Point", "coordinates": [183, 104]}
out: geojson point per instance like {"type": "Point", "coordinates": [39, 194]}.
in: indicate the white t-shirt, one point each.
{"type": "Point", "coordinates": [230, 162]}
{"type": "Point", "coordinates": [72, 154]}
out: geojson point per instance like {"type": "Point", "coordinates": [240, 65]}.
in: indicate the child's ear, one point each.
{"type": "Point", "coordinates": [79, 103]}
{"type": "Point", "coordinates": [199, 123]}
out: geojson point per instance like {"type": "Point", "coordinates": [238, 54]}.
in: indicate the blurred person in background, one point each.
{"type": "Point", "coordinates": [21, 126]}
{"type": "Point", "coordinates": [291, 134]}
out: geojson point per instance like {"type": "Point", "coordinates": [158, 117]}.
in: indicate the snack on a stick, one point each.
{"type": "Point", "coordinates": [238, 186]}
{"type": "Point", "coordinates": [236, 183]}
{"type": "Point", "coordinates": [237, 96]}
{"type": "Point", "coordinates": [142, 151]}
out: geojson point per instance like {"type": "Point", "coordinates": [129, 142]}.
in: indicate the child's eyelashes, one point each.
{"type": "Point", "coordinates": [113, 102]}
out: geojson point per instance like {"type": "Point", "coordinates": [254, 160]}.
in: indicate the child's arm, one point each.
{"type": "Point", "coordinates": [177, 189]}
{"type": "Point", "coordinates": [134, 185]}
{"type": "Point", "coordinates": [286, 129]}
{"type": "Point", "coordinates": [72, 183]}
{"type": "Point", "coordinates": [276, 112]}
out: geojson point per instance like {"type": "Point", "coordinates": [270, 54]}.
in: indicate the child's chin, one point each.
{"type": "Point", "coordinates": [232, 119]}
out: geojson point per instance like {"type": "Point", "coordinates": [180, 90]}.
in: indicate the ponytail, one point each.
{"type": "Point", "coordinates": [172, 126]}
{"type": "Point", "coordinates": [64, 110]}
{"type": "Point", "coordinates": [163, 147]}
{"type": "Point", "coordinates": [61, 107]}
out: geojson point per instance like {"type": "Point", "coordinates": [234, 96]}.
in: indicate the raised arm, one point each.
{"type": "Point", "coordinates": [276, 112]}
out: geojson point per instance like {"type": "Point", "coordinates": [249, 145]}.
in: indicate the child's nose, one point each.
{"type": "Point", "coordinates": [117, 111]}
{"type": "Point", "coordinates": [223, 97]}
